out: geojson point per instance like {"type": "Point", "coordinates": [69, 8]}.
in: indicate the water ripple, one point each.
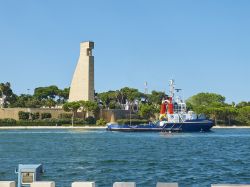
{"type": "Point", "coordinates": [191, 159]}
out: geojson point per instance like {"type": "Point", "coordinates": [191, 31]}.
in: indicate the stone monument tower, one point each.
{"type": "Point", "coordinates": [82, 85]}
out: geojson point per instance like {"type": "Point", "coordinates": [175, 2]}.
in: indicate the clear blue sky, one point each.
{"type": "Point", "coordinates": [203, 44]}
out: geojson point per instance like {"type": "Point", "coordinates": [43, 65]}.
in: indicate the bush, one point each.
{"type": "Point", "coordinates": [35, 115]}
{"type": "Point", "coordinates": [65, 116]}
{"type": "Point", "coordinates": [36, 123]}
{"type": "Point", "coordinates": [42, 122]}
{"type": "Point", "coordinates": [90, 120]}
{"type": "Point", "coordinates": [133, 121]}
{"type": "Point", "coordinates": [7, 121]}
{"type": "Point", "coordinates": [63, 121]}
{"type": "Point", "coordinates": [46, 115]}
{"type": "Point", "coordinates": [101, 122]}
{"type": "Point", "coordinates": [23, 115]}
{"type": "Point", "coordinates": [79, 121]}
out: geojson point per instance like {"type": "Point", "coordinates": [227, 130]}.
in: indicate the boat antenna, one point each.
{"type": "Point", "coordinates": [171, 88]}
{"type": "Point", "coordinates": [146, 87]}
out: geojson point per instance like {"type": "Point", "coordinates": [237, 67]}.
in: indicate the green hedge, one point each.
{"type": "Point", "coordinates": [133, 121]}
{"type": "Point", "coordinates": [7, 122]}
{"type": "Point", "coordinates": [35, 115]}
{"type": "Point", "coordinates": [23, 115]}
{"type": "Point", "coordinates": [45, 122]}
{"type": "Point", "coordinates": [45, 115]}
{"type": "Point", "coordinates": [90, 120]}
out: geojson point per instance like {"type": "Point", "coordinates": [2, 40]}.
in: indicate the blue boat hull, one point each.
{"type": "Point", "coordinates": [187, 126]}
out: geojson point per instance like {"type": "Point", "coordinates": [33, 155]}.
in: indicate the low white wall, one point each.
{"type": "Point", "coordinates": [7, 184]}
{"type": "Point", "coordinates": [230, 185]}
{"type": "Point", "coordinates": [163, 184]}
{"type": "Point", "coordinates": [83, 184]}
{"type": "Point", "coordinates": [43, 184]}
{"type": "Point", "coordinates": [124, 184]}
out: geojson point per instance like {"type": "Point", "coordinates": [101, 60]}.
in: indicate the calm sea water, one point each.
{"type": "Point", "coordinates": [191, 159]}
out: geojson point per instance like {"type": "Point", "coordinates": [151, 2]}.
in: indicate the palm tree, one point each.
{"type": "Point", "coordinates": [72, 107]}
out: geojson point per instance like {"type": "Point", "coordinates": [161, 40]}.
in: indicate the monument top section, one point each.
{"type": "Point", "coordinates": [86, 48]}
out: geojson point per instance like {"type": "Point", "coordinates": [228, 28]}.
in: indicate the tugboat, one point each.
{"type": "Point", "coordinates": [174, 117]}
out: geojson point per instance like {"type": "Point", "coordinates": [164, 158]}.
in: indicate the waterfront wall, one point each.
{"type": "Point", "coordinates": [107, 115]}
{"type": "Point", "coordinates": [111, 115]}
{"type": "Point", "coordinates": [13, 112]}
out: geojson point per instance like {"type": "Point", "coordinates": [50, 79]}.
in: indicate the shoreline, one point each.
{"type": "Point", "coordinates": [99, 127]}
{"type": "Point", "coordinates": [230, 127]}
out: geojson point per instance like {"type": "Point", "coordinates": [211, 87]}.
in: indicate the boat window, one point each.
{"type": "Point", "coordinates": [27, 177]}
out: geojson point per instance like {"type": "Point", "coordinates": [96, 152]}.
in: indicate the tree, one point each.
{"type": "Point", "coordinates": [89, 106]}
{"type": "Point", "coordinates": [229, 113]}
{"type": "Point", "coordinates": [202, 110]}
{"type": "Point", "coordinates": [106, 98]}
{"type": "Point", "coordinates": [244, 115]}
{"type": "Point", "coordinates": [50, 103]}
{"type": "Point", "coordinates": [215, 113]}
{"type": "Point", "coordinates": [21, 101]}
{"type": "Point", "coordinates": [33, 103]}
{"type": "Point", "coordinates": [130, 93]}
{"type": "Point", "coordinates": [147, 111]}
{"type": "Point", "coordinates": [72, 107]}
{"type": "Point", "coordinates": [243, 104]}
{"type": "Point", "coordinates": [63, 95]}
{"type": "Point", "coordinates": [27, 101]}
{"type": "Point", "coordinates": [46, 92]}
{"type": "Point", "coordinates": [206, 99]}
{"type": "Point", "coordinates": [119, 97]}
{"type": "Point", "coordinates": [156, 97]}
{"type": "Point", "coordinates": [210, 104]}
{"type": "Point", "coordinates": [5, 90]}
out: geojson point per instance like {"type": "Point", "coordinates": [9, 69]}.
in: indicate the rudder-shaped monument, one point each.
{"type": "Point", "coordinates": [82, 85]}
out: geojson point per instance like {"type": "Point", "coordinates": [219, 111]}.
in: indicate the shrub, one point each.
{"type": "Point", "coordinates": [7, 121]}
{"type": "Point", "coordinates": [44, 122]}
{"type": "Point", "coordinates": [90, 120]}
{"type": "Point", "coordinates": [101, 122]}
{"type": "Point", "coordinates": [46, 115]}
{"type": "Point", "coordinates": [35, 123]}
{"type": "Point", "coordinates": [79, 121]}
{"type": "Point", "coordinates": [63, 121]}
{"type": "Point", "coordinates": [35, 115]}
{"type": "Point", "coordinates": [23, 115]}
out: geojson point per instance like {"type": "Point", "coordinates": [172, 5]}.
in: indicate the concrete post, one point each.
{"type": "Point", "coordinates": [124, 184]}
{"type": "Point", "coordinates": [43, 184]}
{"type": "Point", "coordinates": [163, 184]}
{"type": "Point", "coordinates": [7, 184]}
{"type": "Point", "coordinates": [83, 184]}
